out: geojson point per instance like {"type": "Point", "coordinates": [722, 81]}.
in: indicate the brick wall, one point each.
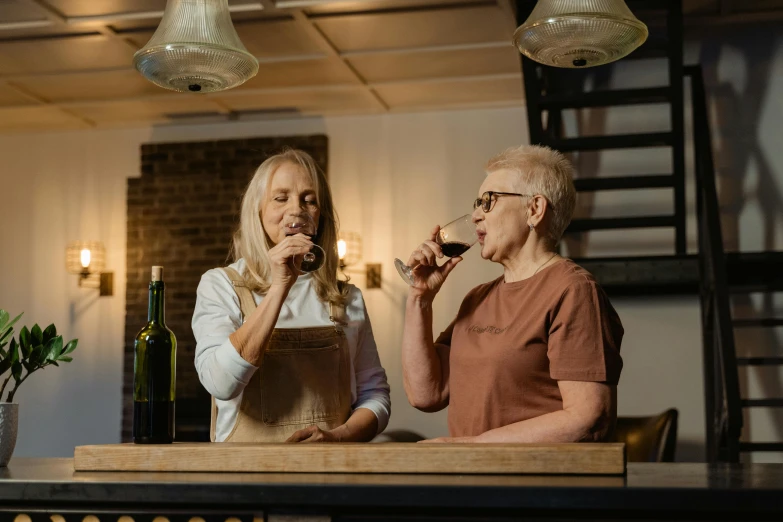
{"type": "Point", "coordinates": [182, 212]}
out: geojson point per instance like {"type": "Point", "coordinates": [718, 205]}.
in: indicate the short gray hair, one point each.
{"type": "Point", "coordinates": [542, 171]}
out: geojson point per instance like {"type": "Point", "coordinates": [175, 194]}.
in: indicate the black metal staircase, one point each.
{"type": "Point", "coordinates": [712, 273]}
{"type": "Point", "coordinates": [550, 91]}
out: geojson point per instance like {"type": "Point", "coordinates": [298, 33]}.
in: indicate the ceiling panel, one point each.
{"type": "Point", "coordinates": [415, 29]}
{"type": "Point", "coordinates": [10, 97]}
{"type": "Point", "coordinates": [406, 66]}
{"type": "Point", "coordinates": [19, 10]}
{"type": "Point", "coordinates": [263, 39]}
{"type": "Point", "coordinates": [48, 31]}
{"type": "Point", "coordinates": [306, 102]}
{"type": "Point", "coordinates": [278, 38]}
{"type": "Point", "coordinates": [436, 94]}
{"type": "Point", "coordinates": [99, 7]}
{"type": "Point", "coordinates": [37, 118]}
{"type": "Point", "coordinates": [150, 24]}
{"type": "Point", "coordinates": [375, 5]}
{"type": "Point", "coordinates": [300, 73]}
{"type": "Point", "coordinates": [90, 86]}
{"type": "Point", "coordinates": [63, 54]}
{"type": "Point", "coordinates": [166, 109]}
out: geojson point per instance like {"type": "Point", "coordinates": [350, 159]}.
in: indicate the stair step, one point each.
{"type": "Point", "coordinates": [649, 275]}
{"type": "Point", "coordinates": [624, 183]}
{"type": "Point", "coordinates": [760, 446]}
{"type": "Point", "coordinates": [749, 323]}
{"type": "Point", "coordinates": [619, 141]}
{"type": "Point", "coordinates": [605, 98]}
{"type": "Point", "coordinates": [583, 225]}
{"type": "Point", "coordinates": [754, 271]}
{"type": "Point", "coordinates": [759, 361]}
{"type": "Point", "coordinates": [762, 403]}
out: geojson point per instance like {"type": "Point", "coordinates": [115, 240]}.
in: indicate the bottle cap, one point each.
{"type": "Point", "coordinates": [157, 273]}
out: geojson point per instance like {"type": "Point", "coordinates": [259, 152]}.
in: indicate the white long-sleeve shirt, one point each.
{"type": "Point", "coordinates": [224, 373]}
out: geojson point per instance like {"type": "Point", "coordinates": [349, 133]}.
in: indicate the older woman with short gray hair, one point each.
{"type": "Point", "coordinates": [533, 356]}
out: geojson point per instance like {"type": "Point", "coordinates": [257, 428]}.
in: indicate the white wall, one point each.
{"type": "Point", "coordinates": [393, 177]}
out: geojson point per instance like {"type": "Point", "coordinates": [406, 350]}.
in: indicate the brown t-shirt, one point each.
{"type": "Point", "coordinates": [511, 342]}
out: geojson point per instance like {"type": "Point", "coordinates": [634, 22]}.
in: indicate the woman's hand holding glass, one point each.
{"type": "Point", "coordinates": [427, 276]}
{"type": "Point", "coordinates": [286, 258]}
{"type": "Point", "coordinates": [422, 272]}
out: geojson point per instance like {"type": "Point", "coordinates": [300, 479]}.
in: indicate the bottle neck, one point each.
{"type": "Point", "coordinates": [155, 314]}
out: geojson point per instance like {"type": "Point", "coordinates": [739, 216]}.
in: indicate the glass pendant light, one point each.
{"type": "Point", "coordinates": [196, 49]}
{"type": "Point", "coordinates": [579, 33]}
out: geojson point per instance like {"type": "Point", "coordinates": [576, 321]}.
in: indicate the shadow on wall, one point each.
{"type": "Point", "coordinates": [738, 73]}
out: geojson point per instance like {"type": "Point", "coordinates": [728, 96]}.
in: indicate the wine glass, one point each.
{"type": "Point", "coordinates": [315, 258]}
{"type": "Point", "coordinates": [454, 239]}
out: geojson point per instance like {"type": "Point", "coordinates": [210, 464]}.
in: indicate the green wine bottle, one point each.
{"type": "Point", "coordinates": [154, 372]}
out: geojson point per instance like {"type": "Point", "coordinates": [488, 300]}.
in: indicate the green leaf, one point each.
{"type": "Point", "coordinates": [65, 358]}
{"type": "Point", "coordinates": [49, 333]}
{"type": "Point", "coordinates": [55, 349]}
{"type": "Point", "coordinates": [37, 335]}
{"type": "Point", "coordinates": [6, 329]}
{"type": "Point", "coordinates": [4, 365]}
{"type": "Point", "coordinates": [16, 370]}
{"type": "Point", "coordinates": [54, 363]}
{"type": "Point", "coordinates": [3, 353]}
{"type": "Point", "coordinates": [71, 346]}
{"type": "Point", "coordinates": [13, 351]}
{"type": "Point", "coordinates": [38, 355]}
{"type": "Point", "coordinates": [26, 349]}
{"type": "Point", "coordinates": [24, 337]}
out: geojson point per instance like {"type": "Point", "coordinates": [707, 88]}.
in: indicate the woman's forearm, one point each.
{"type": "Point", "coordinates": [251, 338]}
{"type": "Point", "coordinates": [558, 426]}
{"type": "Point", "coordinates": [422, 367]}
{"type": "Point", "coordinates": [361, 426]}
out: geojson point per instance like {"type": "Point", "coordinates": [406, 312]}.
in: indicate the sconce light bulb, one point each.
{"type": "Point", "coordinates": [85, 257]}
{"type": "Point", "coordinates": [342, 248]}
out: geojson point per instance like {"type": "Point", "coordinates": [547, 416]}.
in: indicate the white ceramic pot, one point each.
{"type": "Point", "coordinates": [9, 421]}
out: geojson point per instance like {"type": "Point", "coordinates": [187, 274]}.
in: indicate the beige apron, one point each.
{"type": "Point", "coordinates": [304, 379]}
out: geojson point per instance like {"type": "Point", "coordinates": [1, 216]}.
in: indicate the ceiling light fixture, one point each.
{"type": "Point", "coordinates": [579, 33]}
{"type": "Point", "coordinates": [196, 49]}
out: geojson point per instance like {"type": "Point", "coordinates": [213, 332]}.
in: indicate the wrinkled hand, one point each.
{"type": "Point", "coordinates": [286, 258]}
{"type": "Point", "coordinates": [313, 434]}
{"type": "Point", "coordinates": [428, 276]}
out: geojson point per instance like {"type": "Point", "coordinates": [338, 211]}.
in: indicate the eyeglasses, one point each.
{"type": "Point", "coordinates": [488, 198]}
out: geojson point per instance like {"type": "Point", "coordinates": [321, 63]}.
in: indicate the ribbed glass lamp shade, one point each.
{"type": "Point", "coordinates": [196, 49]}
{"type": "Point", "coordinates": [579, 33]}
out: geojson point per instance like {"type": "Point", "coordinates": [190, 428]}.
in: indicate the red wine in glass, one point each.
{"type": "Point", "coordinates": [454, 248]}
{"type": "Point", "coordinates": [315, 258]}
{"type": "Point", "coordinates": [454, 239]}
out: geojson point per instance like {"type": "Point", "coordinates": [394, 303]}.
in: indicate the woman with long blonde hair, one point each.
{"type": "Point", "coordinates": [287, 355]}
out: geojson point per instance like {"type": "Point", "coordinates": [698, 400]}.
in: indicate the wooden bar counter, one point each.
{"type": "Point", "coordinates": [40, 488]}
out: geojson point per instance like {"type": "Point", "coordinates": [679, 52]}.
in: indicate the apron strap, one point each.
{"type": "Point", "coordinates": [246, 302]}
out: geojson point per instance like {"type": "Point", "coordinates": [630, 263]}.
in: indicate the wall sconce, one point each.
{"type": "Point", "coordinates": [349, 249]}
{"type": "Point", "coordinates": [87, 259]}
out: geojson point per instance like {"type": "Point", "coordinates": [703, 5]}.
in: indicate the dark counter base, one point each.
{"type": "Point", "coordinates": [40, 487]}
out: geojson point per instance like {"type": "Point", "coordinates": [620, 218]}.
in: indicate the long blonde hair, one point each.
{"type": "Point", "coordinates": [252, 243]}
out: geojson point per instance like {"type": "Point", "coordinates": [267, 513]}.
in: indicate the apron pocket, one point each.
{"type": "Point", "coordinates": [301, 386]}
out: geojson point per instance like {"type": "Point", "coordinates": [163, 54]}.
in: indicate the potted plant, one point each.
{"type": "Point", "coordinates": [36, 349]}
